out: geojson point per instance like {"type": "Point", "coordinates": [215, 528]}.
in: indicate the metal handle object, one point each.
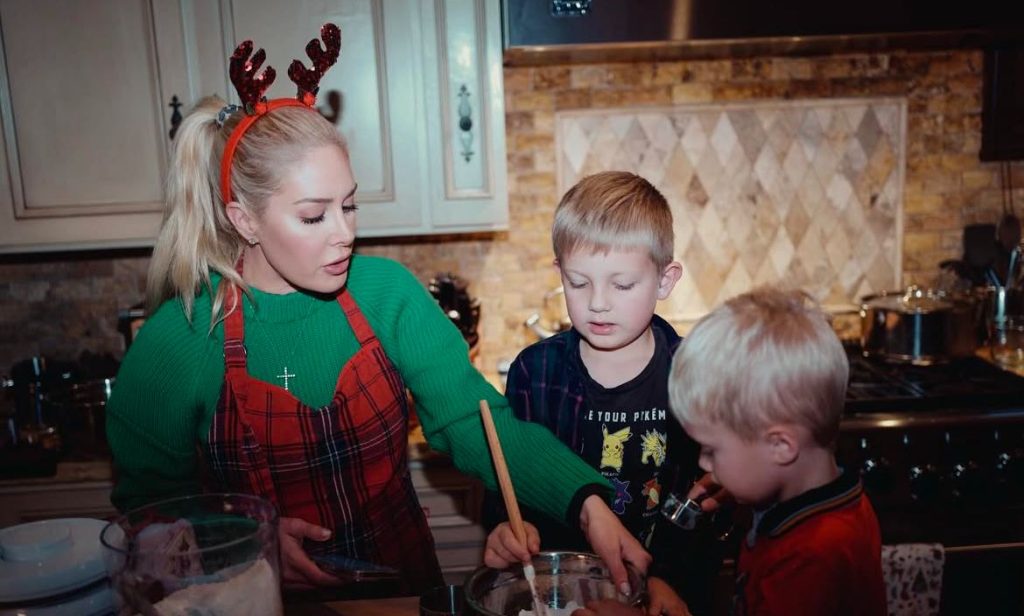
{"type": "Point", "coordinates": [683, 513]}
{"type": "Point", "coordinates": [176, 118]}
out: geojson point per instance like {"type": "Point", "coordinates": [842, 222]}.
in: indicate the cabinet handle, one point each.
{"type": "Point", "coordinates": [175, 104]}
{"type": "Point", "coordinates": [465, 123]}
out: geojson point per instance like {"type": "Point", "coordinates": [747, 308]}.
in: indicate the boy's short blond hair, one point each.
{"type": "Point", "coordinates": [614, 209]}
{"type": "Point", "coordinates": [763, 357]}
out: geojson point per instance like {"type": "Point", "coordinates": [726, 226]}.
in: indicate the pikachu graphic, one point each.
{"type": "Point", "coordinates": [652, 445]}
{"type": "Point", "coordinates": [612, 447]}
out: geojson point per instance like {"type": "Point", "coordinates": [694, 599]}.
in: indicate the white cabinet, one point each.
{"type": "Point", "coordinates": [85, 91]}
{"type": "Point", "coordinates": [85, 116]}
{"type": "Point", "coordinates": [419, 87]}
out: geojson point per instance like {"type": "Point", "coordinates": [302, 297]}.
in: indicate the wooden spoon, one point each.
{"type": "Point", "coordinates": [515, 519]}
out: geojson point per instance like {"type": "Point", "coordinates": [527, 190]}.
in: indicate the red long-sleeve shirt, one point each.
{"type": "Point", "coordinates": [818, 554]}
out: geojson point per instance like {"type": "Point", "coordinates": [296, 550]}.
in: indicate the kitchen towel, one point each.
{"type": "Point", "coordinates": [913, 578]}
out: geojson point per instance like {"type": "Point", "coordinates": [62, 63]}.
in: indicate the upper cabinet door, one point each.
{"type": "Point", "coordinates": [368, 94]}
{"type": "Point", "coordinates": [416, 93]}
{"type": "Point", "coordinates": [89, 91]}
{"type": "Point", "coordinates": [87, 95]}
{"type": "Point", "coordinates": [462, 74]}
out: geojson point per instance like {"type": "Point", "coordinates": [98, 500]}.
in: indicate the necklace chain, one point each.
{"type": "Point", "coordinates": [285, 376]}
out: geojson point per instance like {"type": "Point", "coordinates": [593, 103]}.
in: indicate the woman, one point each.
{"type": "Point", "coordinates": [275, 361]}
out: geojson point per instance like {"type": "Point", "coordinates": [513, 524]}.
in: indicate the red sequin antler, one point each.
{"type": "Point", "coordinates": [308, 80]}
{"type": "Point", "coordinates": [250, 86]}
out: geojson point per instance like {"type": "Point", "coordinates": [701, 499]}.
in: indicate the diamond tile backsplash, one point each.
{"type": "Point", "coordinates": [801, 193]}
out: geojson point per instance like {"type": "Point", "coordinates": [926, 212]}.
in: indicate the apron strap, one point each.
{"type": "Point", "coordinates": [234, 336]}
{"type": "Point", "coordinates": [356, 320]}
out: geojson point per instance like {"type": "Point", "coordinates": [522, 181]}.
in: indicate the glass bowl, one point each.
{"type": "Point", "coordinates": [561, 577]}
{"type": "Point", "coordinates": [204, 554]}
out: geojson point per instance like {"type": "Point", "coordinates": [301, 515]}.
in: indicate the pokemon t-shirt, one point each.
{"type": "Point", "coordinates": [624, 431]}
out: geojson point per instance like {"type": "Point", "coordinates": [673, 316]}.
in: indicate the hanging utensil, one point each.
{"type": "Point", "coordinates": [1008, 232]}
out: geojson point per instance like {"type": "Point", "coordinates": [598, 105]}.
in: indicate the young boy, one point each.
{"type": "Point", "coordinates": [760, 384]}
{"type": "Point", "coordinates": [601, 387]}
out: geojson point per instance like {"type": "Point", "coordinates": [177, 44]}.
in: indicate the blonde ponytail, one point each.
{"type": "Point", "coordinates": [196, 236]}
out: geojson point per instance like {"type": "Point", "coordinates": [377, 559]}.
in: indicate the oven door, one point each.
{"type": "Point", "coordinates": [984, 579]}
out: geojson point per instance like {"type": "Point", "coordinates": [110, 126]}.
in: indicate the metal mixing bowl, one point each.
{"type": "Point", "coordinates": [561, 577]}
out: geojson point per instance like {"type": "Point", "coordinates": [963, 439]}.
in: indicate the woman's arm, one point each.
{"type": "Point", "coordinates": [433, 359]}
{"type": "Point", "coordinates": [153, 414]}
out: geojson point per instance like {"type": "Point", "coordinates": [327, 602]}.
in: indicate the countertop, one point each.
{"type": "Point", "coordinates": [101, 471]}
{"type": "Point", "coordinates": [401, 606]}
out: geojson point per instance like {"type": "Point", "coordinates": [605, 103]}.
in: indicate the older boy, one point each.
{"type": "Point", "coordinates": [601, 387]}
{"type": "Point", "coordinates": [760, 384]}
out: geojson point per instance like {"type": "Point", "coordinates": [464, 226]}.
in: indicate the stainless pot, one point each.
{"type": "Point", "coordinates": [553, 317]}
{"type": "Point", "coordinates": [919, 326]}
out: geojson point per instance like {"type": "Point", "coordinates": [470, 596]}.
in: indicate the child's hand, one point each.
{"type": "Point", "coordinates": [607, 607]}
{"type": "Point", "coordinates": [663, 600]}
{"type": "Point", "coordinates": [503, 548]}
{"type": "Point", "coordinates": [709, 494]}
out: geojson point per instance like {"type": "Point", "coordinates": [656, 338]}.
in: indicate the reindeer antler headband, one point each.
{"type": "Point", "coordinates": [251, 88]}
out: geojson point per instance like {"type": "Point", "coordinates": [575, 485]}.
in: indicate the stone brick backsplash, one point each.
{"type": "Point", "coordinates": [61, 305]}
{"type": "Point", "coordinates": [805, 193]}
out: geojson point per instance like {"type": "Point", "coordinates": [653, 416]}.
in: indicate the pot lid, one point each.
{"type": "Point", "coordinates": [49, 557]}
{"type": "Point", "coordinates": [913, 300]}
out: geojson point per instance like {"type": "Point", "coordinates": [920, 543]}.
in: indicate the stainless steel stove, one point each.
{"type": "Point", "coordinates": [941, 450]}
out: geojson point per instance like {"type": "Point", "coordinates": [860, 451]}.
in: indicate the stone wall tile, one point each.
{"type": "Point", "coordinates": [654, 95]}
{"type": "Point", "coordinates": [529, 101]}
{"type": "Point", "coordinates": [666, 73]}
{"type": "Point", "coordinates": [573, 99]}
{"type": "Point", "coordinates": [791, 68]}
{"type": "Point", "coordinates": [551, 77]}
{"type": "Point", "coordinates": [518, 79]}
{"type": "Point", "coordinates": [588, 76]}
{"type": "Point", "coordinates": [683, 93]}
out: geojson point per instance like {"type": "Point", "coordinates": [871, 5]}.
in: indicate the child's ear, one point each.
{"type": "Point", "coordinates": [669, 277]}
{"type": "Point", "coordinates": [783, 444]}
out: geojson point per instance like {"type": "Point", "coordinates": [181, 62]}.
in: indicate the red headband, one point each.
{"type": "Point", "coordinates": [251, 88]}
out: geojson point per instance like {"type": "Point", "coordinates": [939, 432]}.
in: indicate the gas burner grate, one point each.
{"type": "Point", "coordinates": [966, 384]}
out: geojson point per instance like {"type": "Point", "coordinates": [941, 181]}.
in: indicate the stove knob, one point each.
{"type": "Point", "coordinates": [875, 470]}
{"type": "Point", "coordinates": [1008, 474]}
{"type": "Point", "coordinates": [966, 481]}
{"type": "Point", "coordinates": [925, 483]}
{"type": "Point", "coordinates": [1008, 471]}
{"type": "Point", "coordinates": [877, 474]}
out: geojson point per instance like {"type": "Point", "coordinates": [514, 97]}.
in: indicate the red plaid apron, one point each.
{"type": "Point", "coordinates": [342, 466]}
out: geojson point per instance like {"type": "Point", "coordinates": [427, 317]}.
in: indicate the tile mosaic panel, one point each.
{"type": "Point", "coordinates": [804, 193]}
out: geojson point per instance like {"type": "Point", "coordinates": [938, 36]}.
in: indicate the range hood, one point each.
{"type": "Point", "coordinates": [661, 29]}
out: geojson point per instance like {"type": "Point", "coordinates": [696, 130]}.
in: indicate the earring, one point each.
{"type": "Point", "coordinates": [253, 241]}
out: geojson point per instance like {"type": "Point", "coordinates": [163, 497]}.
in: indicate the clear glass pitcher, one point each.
{"type": "Point", "coordinates": [203, 554]}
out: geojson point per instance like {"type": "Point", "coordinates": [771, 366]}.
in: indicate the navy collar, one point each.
{"type": "Point", "coordinates": [781, 517]}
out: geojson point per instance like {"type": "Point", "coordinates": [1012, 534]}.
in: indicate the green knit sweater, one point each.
{"type": "Point", "coordinates": [169, 383]}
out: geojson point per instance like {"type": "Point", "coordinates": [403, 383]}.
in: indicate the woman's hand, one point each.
{"type": "Point", "coordinates": [611, 541]}
{"type": "Point", "coordinates": [503, 548]}
{"type": "Point", "coordinates": [607, 607]}
{"type": "Point", "coordinates": [709, 494]}
{"type": "Point", "coordinates": [297, 570]}
{"type": "Point", "coordinates": [663, 600]}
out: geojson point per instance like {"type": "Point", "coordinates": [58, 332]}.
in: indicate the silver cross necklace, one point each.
{"type": "Point", "coordinates": [285, 376]}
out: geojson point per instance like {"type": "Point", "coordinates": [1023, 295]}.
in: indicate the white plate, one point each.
{"type": "Point", "coordinates": [49, 557]}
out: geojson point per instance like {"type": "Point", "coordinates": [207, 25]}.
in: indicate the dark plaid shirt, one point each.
{"type": "Point", "coordinates": [546, 385]}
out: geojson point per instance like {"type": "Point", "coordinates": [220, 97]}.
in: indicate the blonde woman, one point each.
{"type": "Point", "coordinates": [275, 360]}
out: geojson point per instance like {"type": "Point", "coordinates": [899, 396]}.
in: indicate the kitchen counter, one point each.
{"type": "Point", "coordinates": [77, 471]}
{"type": "Point", "coordinates": [400, 606]}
